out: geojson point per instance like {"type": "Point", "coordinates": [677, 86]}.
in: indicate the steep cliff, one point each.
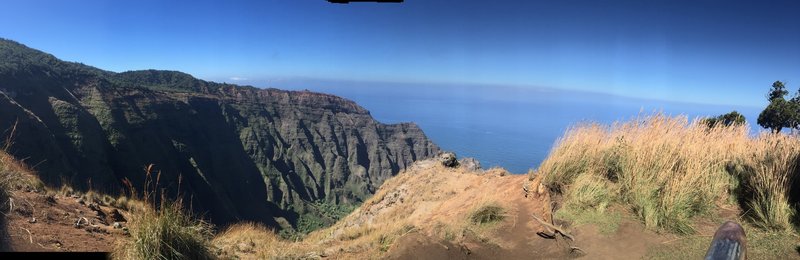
{"type": "Point", "coordinates": [239, 153]}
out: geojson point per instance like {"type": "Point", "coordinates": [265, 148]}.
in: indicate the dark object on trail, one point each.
{"type": "Point", "coordinates": [729, 243]}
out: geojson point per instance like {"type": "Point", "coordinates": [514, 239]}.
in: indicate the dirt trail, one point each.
{"type": "Point", "coordinates": [516, 236]}
{"type": "Point", "coordinates": [40, 223]}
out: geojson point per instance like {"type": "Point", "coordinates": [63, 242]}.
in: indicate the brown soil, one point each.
{"type": "Point", "coordinates": [516, 236]}
{"type": "Point", "coordinates": [54, 226]}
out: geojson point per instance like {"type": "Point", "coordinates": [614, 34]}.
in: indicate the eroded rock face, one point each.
{"type": "Point", "coordinates": [240, 153]}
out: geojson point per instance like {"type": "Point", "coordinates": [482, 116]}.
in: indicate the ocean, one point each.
{"type": "Point", "coordinates": [510, 127]}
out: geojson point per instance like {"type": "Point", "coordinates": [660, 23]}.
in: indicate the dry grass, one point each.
{"type": "Point", "coordinates": [249, 241]}
{"type": "Point", "coordinates": [15, 175]}
{"type": "Point", "coordinates": [669, 170]}
{"type": "Point", "coordinates": [432, 200]}
{"type": "Point", "coordinates": [163, 229]}
{"type": "Point", "coordinates": [488, 214]}
{"type": "Point", "coordinates": [767, 174]}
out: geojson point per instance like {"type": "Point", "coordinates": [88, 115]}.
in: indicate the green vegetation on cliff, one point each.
{"type": "Point", "coordinates": [243, 153]}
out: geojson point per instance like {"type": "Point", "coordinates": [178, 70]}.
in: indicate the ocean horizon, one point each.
{"type": "Point", "coordinates": [510, 127]}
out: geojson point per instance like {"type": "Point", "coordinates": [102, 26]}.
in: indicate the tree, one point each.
{"type": "Point", "coordinates": [778, 91]}
{"type": "Point", "coordinates": [779, 114]}
{"type": "Point", "coordinates": [729, 119]}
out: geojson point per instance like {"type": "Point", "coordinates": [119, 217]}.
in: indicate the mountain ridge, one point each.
{"type": "Point", "coordinates": [224, 145]}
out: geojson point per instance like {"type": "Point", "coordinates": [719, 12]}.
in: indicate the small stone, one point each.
{"type": "Point", "coordinates": [117, 225]}
{"type": "Point", "coordinates": [32, 220]}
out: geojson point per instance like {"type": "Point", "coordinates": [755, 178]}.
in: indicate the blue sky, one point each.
{"type": "Point", "coordinates": [719, 52]}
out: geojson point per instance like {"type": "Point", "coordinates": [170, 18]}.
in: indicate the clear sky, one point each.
{"type": "Point", "coordinates": [720, 52]}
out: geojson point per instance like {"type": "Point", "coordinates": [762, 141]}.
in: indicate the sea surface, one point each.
{"type": "Point", "coordinates": [510, 127]}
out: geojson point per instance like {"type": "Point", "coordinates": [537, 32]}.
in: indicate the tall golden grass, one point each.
{"type": "Point", "coordinates": [669, 170]}
{"type": "Point", "coordinates": [163, 229]}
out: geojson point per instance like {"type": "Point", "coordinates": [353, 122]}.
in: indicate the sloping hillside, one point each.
{"type": "Point", "coordinates": [435, 212]}
{"type": "Point", "coordinates": [427, 212]}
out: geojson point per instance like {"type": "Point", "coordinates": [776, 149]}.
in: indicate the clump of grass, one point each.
{"type": "Point", "coordinates": [91, 197]}
{"type": "Point", "coordinates": [590, 191]}
{"type": "Point", "coordinates": [14, 175]}
{"type": "Point", "coordinates": [246, 238]}
{"type": "Point", "coordinates": [669, 170]}
{"type": "Point", "coordinates": [767, 176]}
{"type": "Point", "coordinates": [164, 230]}
{"type": "Point", "coordinates": [487, 214]}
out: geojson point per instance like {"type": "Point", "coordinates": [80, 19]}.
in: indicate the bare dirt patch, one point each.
{"type": "Point", "coordinates": [39, 222]}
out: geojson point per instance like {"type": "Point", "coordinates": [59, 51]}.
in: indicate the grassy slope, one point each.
{"type": "Point", "coordinates": [445, 204]}
{"type": "Point", "coordinates": [672, 174]}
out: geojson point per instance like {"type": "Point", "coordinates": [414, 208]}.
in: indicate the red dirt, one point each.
{"type": "Point", "coordinates": [54, 227]}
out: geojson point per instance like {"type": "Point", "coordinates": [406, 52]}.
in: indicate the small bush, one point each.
{"type": "Point", "coordinates": [487, 214]}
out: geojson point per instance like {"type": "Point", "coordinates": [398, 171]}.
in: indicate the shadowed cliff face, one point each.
{"type": "Point", "coordinates": [239, 153]}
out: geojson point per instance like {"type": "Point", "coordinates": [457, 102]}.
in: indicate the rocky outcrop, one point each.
{"type": "Point", "coordinates": [448, 159]}
{"type": "Point", "coordinates": [239, 153]}
{"type": "Point", "coordinates": [470, 164]}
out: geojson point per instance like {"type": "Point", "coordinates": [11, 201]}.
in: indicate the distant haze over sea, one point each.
{"type": "Point", "coordinates": [510, 127]}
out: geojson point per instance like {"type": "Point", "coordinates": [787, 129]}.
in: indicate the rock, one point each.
{"type": "Point", "coordinates": [448, 159]}
{"type": "Point", "coordinates": [470, 164]}
{"type": "Point", "coordinates": [93, 228]}
{"type": "Point", "coordinates": [32, 220]}
{"type": "Point", "coordinates": [116, 216]}
{"type": "Point", "coordinates": [117, 225]}
{"type": "Point", "coordinates": [50, 200]}
{"type": "Point", "coordinates": [95, 207]}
